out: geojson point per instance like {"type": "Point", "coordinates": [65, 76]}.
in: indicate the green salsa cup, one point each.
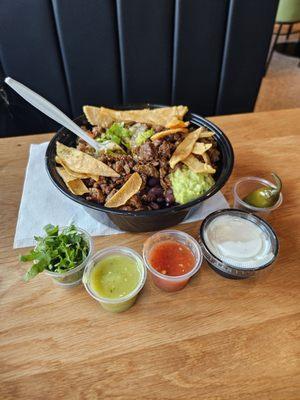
{"type": "Point", "coordinates": [114, 277]}
{"type": "Point", "coordinates": [247, 185]}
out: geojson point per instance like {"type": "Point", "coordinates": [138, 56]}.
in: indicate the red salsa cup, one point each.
{"type": "Point", "coordinates": [172, 258]}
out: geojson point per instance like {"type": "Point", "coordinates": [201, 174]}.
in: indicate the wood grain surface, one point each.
{"type": "Point", "coordinates": [216, 339]}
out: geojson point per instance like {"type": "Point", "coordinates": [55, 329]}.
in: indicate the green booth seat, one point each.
{"type": "Point", "coordinates": [288, 12]}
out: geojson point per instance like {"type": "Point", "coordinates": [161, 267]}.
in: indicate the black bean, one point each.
{"type": "Point", "coordinates": [156, 191]}
{"type": "Point", "coordinates": [153, 182]}
{"type": "Point", "coordinates": [154, 206]}
{"type": "Point", "coordinates": [160, 200]}
{"type": "Point", "coordinates": [170, 198]}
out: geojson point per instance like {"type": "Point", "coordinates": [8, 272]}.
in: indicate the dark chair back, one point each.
{"type": "Point", "coordinates": [207, 54]}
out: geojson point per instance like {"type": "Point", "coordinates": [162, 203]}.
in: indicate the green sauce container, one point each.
{"type": "Point", "coordinates": [114, 277]}
{"type": "Point", "coordinates": [253, 184]}
{"type": "Point", "coordinates": [265, 196]}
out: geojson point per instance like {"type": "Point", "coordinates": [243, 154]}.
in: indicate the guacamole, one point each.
{"type": "Point", "coordinates": [188, 185]}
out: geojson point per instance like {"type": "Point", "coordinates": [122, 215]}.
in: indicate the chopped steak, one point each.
{"type": "Point", "coordinates": [150, 160]}
{"type": "Point", "coordinates": [147, 169]}
{"type": "Point", "coordinates": [135, 202]}
{"type": "Point", "coordinates": [147, 152]}
{"type": "Point", "coordinates": [164, 170]}
{"type": "Point", "coordinates": [126, 208]}
{"type": "Point", "coordinates": [111, 193]}
{"type": "Point", "coordinates": [214, 155]}
{"type": "Point", "coordinates": [119, 166]}
{"type": "Point", "coordinates": [96, 131]}
{"type": "Point", "coordinates": [165, 149]}
{"type": "Point", "coordinates": [165, 183]}
{"type": "Point", "coordinates": [96, 195]}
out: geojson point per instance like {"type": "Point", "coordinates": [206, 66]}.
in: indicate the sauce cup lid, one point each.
{"type": "Point", "coordinates": [104, 253]}
{"type": "Point", "coordinates": [267, 243]}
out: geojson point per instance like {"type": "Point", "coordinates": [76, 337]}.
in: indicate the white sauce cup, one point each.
{"type": "Point", "coordinates": [223, 266]}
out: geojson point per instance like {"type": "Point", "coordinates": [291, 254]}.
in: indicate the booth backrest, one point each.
{"type": "Point", "coordinates": [207, 54]}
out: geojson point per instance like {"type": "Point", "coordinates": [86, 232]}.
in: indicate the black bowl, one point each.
{"type": "Point", "coordinates": [143, 221]}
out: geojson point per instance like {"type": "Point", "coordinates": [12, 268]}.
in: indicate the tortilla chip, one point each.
{"type": "Point", "coordinates": [197, 166]}
{"type": "Point", "coordinates": [201, 148]}
{"type": "Point", "coordinates": [78, 161]}
{"type": "Point", "coordinates": [184, 149]}
{"type": "Point", "coordinates": [175, 123]}
{"type": "Point", "coordinates": [205, 133]}
{"type": "Point", "coordinates": [206, 158]}
{"type": "Point", "coordinates": [162, 134]}
{"type": "Point", "coordinates": [75, 185]}
{"type": "Point", "coordinates": [105, 117]}
{"type": "Point", "coordinates": [75, 174]}
{"type": "Point", "coordinates": [130, 188]}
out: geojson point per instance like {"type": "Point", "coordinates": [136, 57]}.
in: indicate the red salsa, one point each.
{"type": "Point", "coordinates": [171, 258]}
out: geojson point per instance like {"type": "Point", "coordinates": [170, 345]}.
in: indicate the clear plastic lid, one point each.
{"type": "Point", "coordinates": [239, 239]}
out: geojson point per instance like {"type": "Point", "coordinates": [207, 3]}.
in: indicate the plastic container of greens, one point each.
{"type": "Point", "coordinates": [73, 277]}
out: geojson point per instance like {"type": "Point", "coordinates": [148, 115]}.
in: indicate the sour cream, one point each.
{"type": "Point", "coordinates": [238, 241]}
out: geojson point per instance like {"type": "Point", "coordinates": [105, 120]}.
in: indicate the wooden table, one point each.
{"type": "Point", "coordinates": [216, 339]}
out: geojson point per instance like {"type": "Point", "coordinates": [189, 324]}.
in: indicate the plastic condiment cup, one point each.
{"type": "Point", "coordinates": [122, 303]}
{"type": "Point", "coordinates": [247, 185]}
{"type": "Point", "coordinates": [74, 276]}
{"type": "Point", "coordinates": [222, 265]}
{"type": "Point", "coordinates": [167, 282]}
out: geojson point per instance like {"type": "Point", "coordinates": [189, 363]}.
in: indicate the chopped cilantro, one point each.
{"type": "Point", "coordinates": [57, 251]}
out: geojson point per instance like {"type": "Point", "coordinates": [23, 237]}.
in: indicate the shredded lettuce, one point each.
{"type": "Point", "coordinates": [109, 145]}
{"type": "Point", "coordinates": [118, 134]}
{"type": "Point", "coordinates": [143, 136]}
{"type": "Point", "coordinates": [126, 137]}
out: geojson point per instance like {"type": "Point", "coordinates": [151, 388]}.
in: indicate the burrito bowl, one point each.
{"type": "Point", "coordinates": [158, 163]}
